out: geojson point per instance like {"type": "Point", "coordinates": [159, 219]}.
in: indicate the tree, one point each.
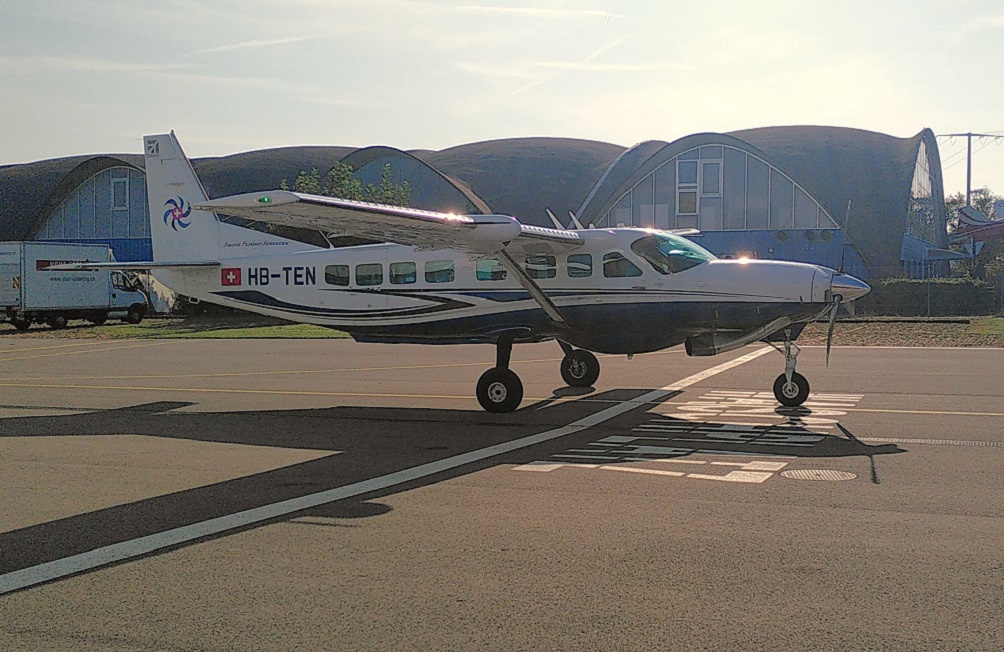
{"type": "Point", "coordinates": [341, 182]}
{"type": "Point", "coordinates": [989, 263]}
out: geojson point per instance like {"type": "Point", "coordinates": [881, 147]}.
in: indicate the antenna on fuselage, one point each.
{"type": "Point", "coordinates": [576, 222]}
{"type": "Point", "coordinates": [558, 225]}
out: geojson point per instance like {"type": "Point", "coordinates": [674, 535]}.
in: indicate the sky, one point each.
{"type": "Point", "coordinates": [94, 76]}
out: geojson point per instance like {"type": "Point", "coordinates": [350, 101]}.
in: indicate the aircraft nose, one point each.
{"type": "Point", "coordinates": [848, 287]}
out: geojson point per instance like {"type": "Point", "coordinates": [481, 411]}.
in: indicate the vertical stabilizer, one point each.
{"type": "Point", "coordinates": [179, 233]}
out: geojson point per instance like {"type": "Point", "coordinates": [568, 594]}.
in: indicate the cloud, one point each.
{"type": "Point", "coordinates": [261, 43]}
{"type": "Point", "coordinates": [29, 64]}
{"type": "Point", "coordinates": [535, 12]}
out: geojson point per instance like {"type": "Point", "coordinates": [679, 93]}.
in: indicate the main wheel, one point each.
{"type": "Point", "coordinates": [580, 368]}
{"type": "Point", "coordinates": [499, 390]}
{"type": "Point", "coordinates": [791, 394]}
{"type": "Point", "coordinates": [57, 322]}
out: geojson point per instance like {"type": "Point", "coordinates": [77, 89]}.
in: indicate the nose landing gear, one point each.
{"type": "Point", "coordinates": [790, 388]}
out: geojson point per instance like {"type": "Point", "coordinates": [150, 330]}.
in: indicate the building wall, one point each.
{"type": "Point", "coordinates": [717, 188]}
{"type": "Point", "coordinates": [111, 208]}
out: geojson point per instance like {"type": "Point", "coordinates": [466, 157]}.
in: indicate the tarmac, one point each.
{"type": "Point", "coordinates": [329, 495]}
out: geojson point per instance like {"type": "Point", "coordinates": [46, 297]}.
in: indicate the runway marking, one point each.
{"type": "Point", "coordinates": [752, 408]}
{"type": "Point", "coordinates": [754, 472]}
{"type": "Point", "coordinates": [296, 372]}
{"type": "Point", "coordinates": [66, 353]}
{"type": "Point", "coordinates": [146, 545]}
{"type": "Point", "coordinates": [934, 442]}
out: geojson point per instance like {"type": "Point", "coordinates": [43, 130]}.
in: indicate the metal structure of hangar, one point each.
{"type": "Point", "coordinates": [870, 202]}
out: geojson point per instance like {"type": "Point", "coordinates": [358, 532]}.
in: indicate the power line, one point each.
{"type": "Point", "coordinates": [969, 155]}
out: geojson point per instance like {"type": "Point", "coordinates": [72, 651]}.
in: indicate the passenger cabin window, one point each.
{"type": "Point", "coordinates": [489, 269]}
{"type": "Point", "coordinates": [336, 275]}
{"type": "Point", "coordinates": [369, 274]}
{"type": "Point", "coordinates": [541, 266]}
{"type": "Point", "coordinates": [439, 271]}
{"type": "Point", "coordinates": [670, 254]}
{"type": "Point", "coordinates": [615, 265]}
{"type": "Point", "coordinates": [403, 273]}
{"type": "Point", "coordinates": [580, 265]}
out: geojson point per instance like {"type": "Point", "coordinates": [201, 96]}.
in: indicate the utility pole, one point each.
{"type": "Point", "coordinates": [969, 157]}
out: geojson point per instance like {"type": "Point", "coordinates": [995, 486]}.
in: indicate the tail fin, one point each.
{"type": "Point", "coordinates": [178, 232]}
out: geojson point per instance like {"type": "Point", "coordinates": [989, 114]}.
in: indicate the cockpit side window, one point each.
{"type": "Point", "coordinates": [670, 254]}
{"type": "Point", "coordinates": [615, 265]}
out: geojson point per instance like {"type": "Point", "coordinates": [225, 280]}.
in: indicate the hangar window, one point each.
{"type": "Point", "coordinates": [615, 265]}
{"type": "Point", "coordinates": [402, 273]}
{"type": "Point", "coordinates": [580, 265]}
{"type": "Point", "coordinates": [336, 275]}
{"type": "Point", "coordinates": [541, 266]}
{"type": "Point", "coordinates": [489, 269]}
{"type": "Point", "coordinates": [120, 193]}
{"type": "Point", "coordinates": [439, 271]}
{"type": "Point", "coordinates": [369, 274]}
{"type": "Point", "coordinates": [687, 201]}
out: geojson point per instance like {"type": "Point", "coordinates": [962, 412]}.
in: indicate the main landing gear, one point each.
{"type": "Point", "coordinates": [500, 389]}
{"type": "Point", "coordinates": [790, 388]}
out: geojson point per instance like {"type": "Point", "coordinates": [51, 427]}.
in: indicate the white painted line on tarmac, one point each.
{"type": "Point", "coordinates": [125, 550]}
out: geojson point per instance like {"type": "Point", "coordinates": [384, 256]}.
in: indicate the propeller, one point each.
{"type": "Point", "coordinates": [833, 322]}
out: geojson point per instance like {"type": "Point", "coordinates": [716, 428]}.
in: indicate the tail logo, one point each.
{"type": "Point", "coordinates": [177, 210]}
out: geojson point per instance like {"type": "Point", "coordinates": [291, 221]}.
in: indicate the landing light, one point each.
{"type": "Point", "coordinates": [744, 259]}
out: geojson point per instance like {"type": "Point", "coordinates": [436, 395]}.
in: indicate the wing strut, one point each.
{"type": "Point", "coordinates": [530, 286]}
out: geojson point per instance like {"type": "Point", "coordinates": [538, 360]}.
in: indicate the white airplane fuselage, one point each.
{"type": "Point", "coordinates": [382, 292]}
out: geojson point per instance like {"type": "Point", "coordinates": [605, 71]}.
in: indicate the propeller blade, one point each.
{"type": "Point", "coordinates": [829, 329]}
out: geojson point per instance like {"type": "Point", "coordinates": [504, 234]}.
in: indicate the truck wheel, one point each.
{"type": "Point", "coordinates": [21, 324]}
{"type": "Point", "coordinates": [56, 322]}
{"type": "Point", "coordinates": [134, 316]}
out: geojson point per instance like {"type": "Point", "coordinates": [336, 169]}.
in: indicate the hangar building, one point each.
{"type": "Point", "coordinates": [827, 195]}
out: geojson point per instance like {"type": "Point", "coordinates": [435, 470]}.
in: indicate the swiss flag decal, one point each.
{"type": "Point", "coordinates": [230, 276]}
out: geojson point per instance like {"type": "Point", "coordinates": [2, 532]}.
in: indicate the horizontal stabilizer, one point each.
{"type": "Point", "coordinates": [142, 265]}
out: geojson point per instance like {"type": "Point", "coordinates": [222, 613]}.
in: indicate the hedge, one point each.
{"type": "Point", "coordinates": [944, 297]}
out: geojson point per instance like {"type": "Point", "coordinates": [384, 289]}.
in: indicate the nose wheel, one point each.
{"type": "Point", "coordinates": [791, 388]}
{"type": "Point", "coordinates": [579, 368]}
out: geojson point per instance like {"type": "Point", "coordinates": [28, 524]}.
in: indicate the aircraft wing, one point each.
{"type": "Point", "coordinates": [475, 234]}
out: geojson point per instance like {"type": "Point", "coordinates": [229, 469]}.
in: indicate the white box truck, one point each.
{"type": "Point", "coordinates": [30, 293]}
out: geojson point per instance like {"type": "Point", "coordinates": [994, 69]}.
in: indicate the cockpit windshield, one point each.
{"type": "Point", "coordinates": [670, 254]}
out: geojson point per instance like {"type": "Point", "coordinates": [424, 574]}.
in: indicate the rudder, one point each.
{"type": "Point", "coordinates": [178, 232]}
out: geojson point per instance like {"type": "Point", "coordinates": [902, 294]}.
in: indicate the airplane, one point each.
{"type": "Point", "coordinates": [441, 278]}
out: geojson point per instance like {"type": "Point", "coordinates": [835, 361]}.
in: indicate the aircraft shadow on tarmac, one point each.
{"type": "Point", "coordinates": [370, 442]}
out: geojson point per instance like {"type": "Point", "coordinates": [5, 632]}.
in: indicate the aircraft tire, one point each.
{"type": "Point", "coordinates": [499, 390]}
{"type": "Point", "coordinates": [580, 368]}
{"type": "Point", "coordinates": [791, 394]}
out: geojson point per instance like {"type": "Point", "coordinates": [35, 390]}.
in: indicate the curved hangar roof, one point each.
{"type": "Point", "coordinates": [894, 186]}
{"type": "Point", "coordinates": [881, 175]}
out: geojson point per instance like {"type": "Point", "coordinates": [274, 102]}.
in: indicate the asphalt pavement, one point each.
{"type": "Point", "coordinates": [329, 495]}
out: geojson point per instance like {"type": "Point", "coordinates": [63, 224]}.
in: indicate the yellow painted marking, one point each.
{"type": "Point", "coordinates": [280, 392]}
{"type": "Point", "coordinates": [941, 413]}
{"type": "Point", "coordinates": [297, 372]}
{"type": "Point", "coordinates": [117, 348]}
{"type": "Point", "coordinates": [55, 346]}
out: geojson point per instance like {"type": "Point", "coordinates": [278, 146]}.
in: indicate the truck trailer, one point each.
{"type": "Point", "coordinates": [30, 293]}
